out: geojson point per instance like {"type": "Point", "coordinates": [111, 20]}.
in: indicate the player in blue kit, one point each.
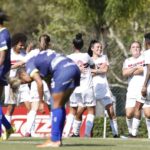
{"type": "Point", "coordinates": [65, 76]}
{"type": "Point", "coordinates": [5, 45]}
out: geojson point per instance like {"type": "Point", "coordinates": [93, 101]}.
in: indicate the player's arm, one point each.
{"type": "Point", "coordinates": [17, 64]}
{"type": "Point", "coordinates": [2, 55]}
{"type": "Point", "coordinates": [36, 77]}
{"type": "Point", "coordinates": [100, 69]}
{"type": "Point", "coordinates": [127, 72]}
{"type": "Point", "coordinates": [138, 71]}
{"type": "Point", "coordinates": [144, 89]}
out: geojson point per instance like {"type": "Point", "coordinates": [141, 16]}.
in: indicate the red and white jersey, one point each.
{"type": "Point", "coordinates": [86, 77]}
{"type": "Point", "coordinates": [15, 57]}
{"type": "Point", "coordinates": [101, 78]}
{"type": "Point", "coordinates": [135, 82]}
{"type": "Point", "coordinates": [101, 87]}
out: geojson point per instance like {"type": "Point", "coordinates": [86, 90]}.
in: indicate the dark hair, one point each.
{"type": "Point", "coordinates": [18, 37]}
{"type": "Point", "coordinates": [78, 41]}
{"type": "Point", "coordinates": [136, 42]}
{"type": "Point", "coordinates": [3, 16]}
{"type": "Point", "coordinates": [90, 52]}
{"type": "Point", "coordinates": [46, 38]}
{"type": "Point", "coordinates": [147, 37]}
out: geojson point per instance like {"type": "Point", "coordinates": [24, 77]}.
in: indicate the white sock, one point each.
{"type": "Point", "coordinates": [8, 117]}
{"type": "Point", "coordinates": [32, 129]}
{"type": "Point", "coordinates": [89, 124]}
{"type": "Point", "coordinates": [76, 127]}
{"type": "Point", "coordinates": [30, 120]}
{"type": "Point", "coordinates": [148, 126]}
{"type": "Point", "coordinates": [135, 126]}
{"type": "Point", "coordinates": [114, 126]}
{"type": "Point", "coordinates": [129, 125]}
{"type": "Point", "coordinates": [68, 125]}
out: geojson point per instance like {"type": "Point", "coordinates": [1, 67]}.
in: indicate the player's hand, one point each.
{"type": "Point", "coordinates": [144, 91]}
{"type": "Point", "coordinates": [41, 107]}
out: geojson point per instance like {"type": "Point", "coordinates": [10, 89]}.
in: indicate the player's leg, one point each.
{"type": "Point", "coordinates": [78, 121]}
{"type": "Point", "coordinates": [31, 118]}
{"type": "Point", "coordinates": [69, 121]}
{"type": "Point", "coordinates": [90, 103]}
{"type": "Point", "coordinates": [136, 118]}
{"type": "Point", "coordinates": [4, 121]}
{"type": "Point", "coordinates": [10, 102]}
{"type": "Point", "coordinates": [146, 109]}
{"type": "Point", "coordinates": [107, 102]}
{"type": "Point", "coordinates": [129, 118]}
{"type": "Point", "coordinates": [73, 105]}
{"type": "Point", "coordinates": [89, 121]}
{"type": "Point", "coordinates": [129, 108]}
{"type": "Point", "coordinates": [113, 119]}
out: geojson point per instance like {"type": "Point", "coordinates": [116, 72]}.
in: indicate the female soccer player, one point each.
{"type": "Point", "coordinates": [133, 68]}
{"type": "Point", "coordinates": [5, 45]}
{"type": "Point", "coordinates": [65, 76]}
{"type": "Point", "coordinates": [101, 87]}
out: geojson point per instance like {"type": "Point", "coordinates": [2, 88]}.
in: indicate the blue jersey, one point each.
{"type": "Point", "coordinates": [64, 72]}
{"type": "Point", "coordinates": [5, 44]}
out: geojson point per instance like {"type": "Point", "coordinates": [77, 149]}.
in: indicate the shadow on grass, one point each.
{"type": "Point", "coordinates": [92, 145]}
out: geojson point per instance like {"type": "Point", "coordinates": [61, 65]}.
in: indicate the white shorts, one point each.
{"type": "Point", "coordinates": [84, 99]}
{"type": "Point", "coordinates": [35, 95]}
{"type": "Point", "coordinates": [106, 100]}
{"type": "Point", "coordinates": [130, 102]}
{"type": "Point", "coordinates": [101, 91]}
{"type": "Point", "coordinates": [22, 95]}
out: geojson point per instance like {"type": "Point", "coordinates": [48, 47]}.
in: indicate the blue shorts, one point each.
{"type": "Point", "coordinates": [66, 76]}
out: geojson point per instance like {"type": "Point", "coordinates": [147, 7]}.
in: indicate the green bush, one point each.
{"type": "Point", "coordinates": [122, 127]}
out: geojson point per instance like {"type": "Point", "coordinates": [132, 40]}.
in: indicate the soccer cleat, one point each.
{"type": "Point", "coordinates": [132, 136]}
{"type": "Point", "coordinates": [74, 135]}
{"type": "Point", "coordinates": [116, 136]}
{"type": "Point", "coordinates": [27, 134]}
{"type": "Point", "coordinates": [8, 132]}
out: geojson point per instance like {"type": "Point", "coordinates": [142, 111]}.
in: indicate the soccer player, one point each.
{"type": "Point", "coordinates": [133, 69]}
{"type": "Point", "coordinates": [146, 85]}
{"type": "Point", "coordinates": [44, 43]}
{"type": "Point", "coordinates": [23, 94]}
{"type": "Point", "coordinates": [102, 91]}
{"type": "Point", "coordinates": [5, 46]}
{"type": "Point", "coordinates": [83, 96]}
{"type": "Point", "coordinates": [65, 76]}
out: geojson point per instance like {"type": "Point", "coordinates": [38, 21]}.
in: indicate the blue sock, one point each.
{"type": "Point", "coordinates": [58, 120]}
{"type": "Point", "coordinates": [0, 121]}
{"type": "Point", "coordinates": [3, 120]}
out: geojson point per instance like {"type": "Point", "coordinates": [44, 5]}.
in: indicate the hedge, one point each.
{"type": "Point", "coordinates": [122, 127]}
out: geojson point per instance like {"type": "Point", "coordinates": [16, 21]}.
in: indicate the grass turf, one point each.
{"type": "Point", "coordinates": [78, 144]}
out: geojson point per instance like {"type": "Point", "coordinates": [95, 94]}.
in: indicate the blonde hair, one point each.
{"type": "Point", "coordinates": [14, 83]}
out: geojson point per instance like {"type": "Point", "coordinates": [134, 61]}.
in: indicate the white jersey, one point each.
{"type": "Point", "coordinates": [15, 57]}
{"type": "Point", "coordinates": [31, 54]}
{"type": "Point", "coordinates": [147, 61]}
{"type": "Point", "coordinates": [147, 56]}
{"type": "Point", "coordinates": [135, 82]}
{"type": "Point", "coordinates": [86, 77]}
{"type": "Point", "coordinates": [23, 91]}
{"type": "Point", "coordinates": [101, 87]}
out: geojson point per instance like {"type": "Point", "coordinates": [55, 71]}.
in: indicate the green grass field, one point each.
{"type": "Point", "coordinates": [79, 144]}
